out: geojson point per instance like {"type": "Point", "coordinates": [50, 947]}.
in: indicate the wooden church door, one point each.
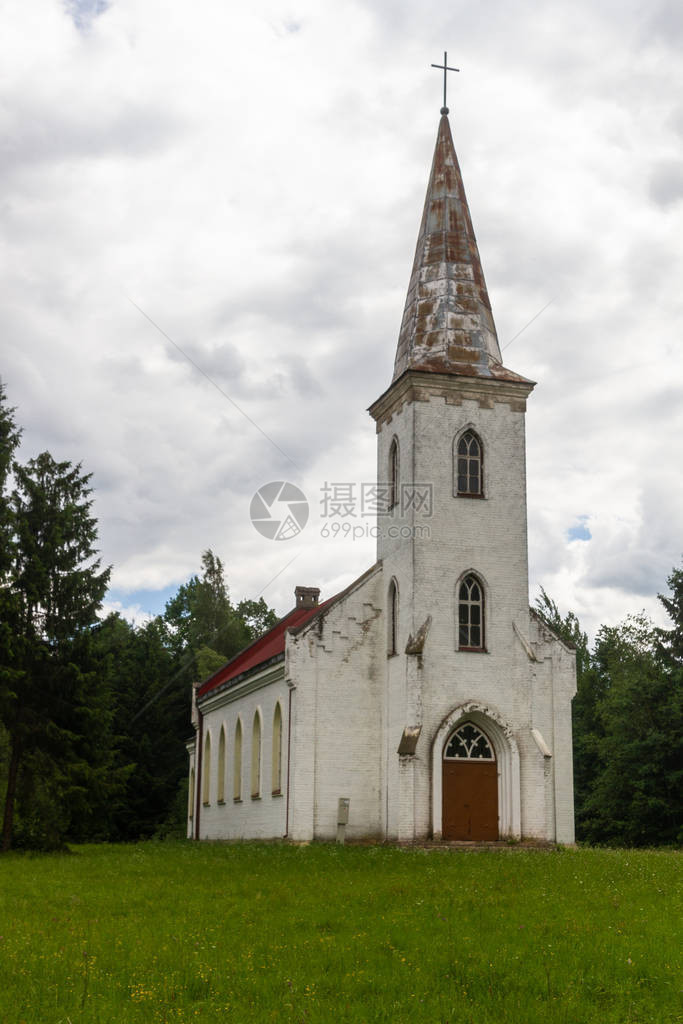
{"type": "Point", "coordinates": [470, 786]}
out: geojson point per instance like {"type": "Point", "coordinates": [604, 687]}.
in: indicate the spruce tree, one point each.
{"type": "Point", "coordinates": [9, 442]}
{"type": "Point", "coordinates": [55, 588]}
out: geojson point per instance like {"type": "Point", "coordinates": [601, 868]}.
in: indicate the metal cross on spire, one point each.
{"type": "Point", "coordinates": [445, 68]}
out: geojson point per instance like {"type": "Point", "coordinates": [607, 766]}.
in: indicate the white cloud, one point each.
{"type": "Point", "coordinates": [253, 179]}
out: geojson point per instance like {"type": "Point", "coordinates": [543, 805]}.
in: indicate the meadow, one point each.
{"type": "Point", "coordinates": [170, 932]}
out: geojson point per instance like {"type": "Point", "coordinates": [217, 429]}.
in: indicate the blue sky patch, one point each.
{"type": "Point", "coordinates": [579, 531]}
{"type": "Point", "coordinates": [151, 601]}
{"type": "Point", "coordinates": [84, 12]}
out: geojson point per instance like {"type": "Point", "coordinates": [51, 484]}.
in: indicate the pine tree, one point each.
{"type": "Point", "coordinates": [56, 586]}
{"type": "Point", "coordinates": [670, 641]}
{"type": "Point", "coordinates": [9, 441]}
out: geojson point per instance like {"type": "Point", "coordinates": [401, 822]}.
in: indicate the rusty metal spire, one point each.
{"type": "Point", "coordinates": [447, 322]}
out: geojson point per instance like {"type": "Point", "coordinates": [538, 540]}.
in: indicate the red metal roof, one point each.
{"type": "Point", "coordinates": [262, 650]}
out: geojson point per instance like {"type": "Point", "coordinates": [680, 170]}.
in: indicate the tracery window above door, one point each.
{"type": "Point", "coordinates": [468, 743]}
{"type": "Point", "coordinates": [469, 458]}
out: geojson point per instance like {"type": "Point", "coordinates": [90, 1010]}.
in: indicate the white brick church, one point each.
{"type": "Point", "coordinates": [428, 694]}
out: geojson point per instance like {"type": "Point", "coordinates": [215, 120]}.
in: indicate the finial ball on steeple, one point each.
{"type": "Point", "coordinates": [444, 110]}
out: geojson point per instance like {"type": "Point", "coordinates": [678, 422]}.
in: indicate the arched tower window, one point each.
{"type": "Point", "coordinates": [392, 615]}
{"type": "Point", "coordinates": [220, 795]}
{"type": "Point", "coordinates": [471, 614]}
{"type": "Point", "coordinates": [206, 768]}
{"type": "Point", "coordinates": [237, 766]}
{"type": "Point", "coordinates": [469, 465]}
{"type": "Point", "coordinates": [256, 756]}
{"type": "Point", "coordinates": [393, 473]}
{"type": "Point", "coordinates": [277, 750]}
{"type": "Point", "coordinates": [190, 797]}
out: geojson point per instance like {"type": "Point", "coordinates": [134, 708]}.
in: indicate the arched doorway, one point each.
{"type": "Point", "coordinates": [469, 786]}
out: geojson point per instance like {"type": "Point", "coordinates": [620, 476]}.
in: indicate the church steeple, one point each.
{"type": "Point", "coordinates": [447, 322]}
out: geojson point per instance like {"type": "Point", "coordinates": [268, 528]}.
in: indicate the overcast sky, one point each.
{"type": "Point", "coordinates": [248, 179]}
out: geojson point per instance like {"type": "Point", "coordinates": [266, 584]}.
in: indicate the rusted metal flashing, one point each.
{"type": "Point", "coordinates": [415, 644]}
{"type": "Point", "coordinates": [524, 642]}
{"type": "Point", "coordinates": [541, 743]}
{"type": "Point", "coordinates": [409, 738]}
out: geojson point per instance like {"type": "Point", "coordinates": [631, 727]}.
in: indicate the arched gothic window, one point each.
{"type": "Point", "coordinates": [256, 756]}
{"type": "Point", "coordinates": [220, 795]}
{"type": "Point", "coordinates": [392, 624]}
{"type": "Point", "coordinates": [237, 766]}
{"type": "Point", "coordinates": [469, 464]}
{"type": "Point", "coordinates": [206, 768]}
{"type": "Point", "coordinates": [468, 743]}
{"type": "Point", "coordinates": [471, 614]}
{"type": "Point", "coordinates": [277, 750]}
{"type": "Point", "coordinates": [393, 474]}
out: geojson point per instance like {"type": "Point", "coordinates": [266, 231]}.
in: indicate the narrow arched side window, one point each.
{"type": "Point", "coordinates": [392, 624]}
{"type": "Point", "coordinates": [277, 751]}
{"type": "Point", "coordinates": [469, 465]}
{"type": "Point", "coordinates": [393, 473]}
{"type": "Point", "coordinates": [190, 797]}
{"type": "Point", "coordinates": [256, 756]}
{"type": "Point", "coordinates": [237, 762]}
{"type": "Point", "coordinates": [471, 614]}
{"type": "Point", "coordinates": [220, 794]}
{"type": "Point", "coordinates": [206, 770]}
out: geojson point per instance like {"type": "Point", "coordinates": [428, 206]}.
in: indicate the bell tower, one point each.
{"type": "Point", "coordinates": [451, 462]}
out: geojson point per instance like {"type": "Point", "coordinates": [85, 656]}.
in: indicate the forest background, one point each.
{"type": "Point", "coordinates": [94, 713]}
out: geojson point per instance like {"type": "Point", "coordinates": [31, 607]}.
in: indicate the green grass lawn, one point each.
{"type": "Point", "coordinates": [204, 932]}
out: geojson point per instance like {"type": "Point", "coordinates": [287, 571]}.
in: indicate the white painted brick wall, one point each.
{"type": "Point", "coordinates": [262, 818]}
{"type": "Point", "coordinates": [350, 701]}
{"type": "Point", "coordinates": [487, 535]}
{"type": "Point", "coordinates": [337, 718]}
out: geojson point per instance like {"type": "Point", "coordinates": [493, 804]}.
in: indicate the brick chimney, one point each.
{"type": "Point", "coordinates": [307, 597]}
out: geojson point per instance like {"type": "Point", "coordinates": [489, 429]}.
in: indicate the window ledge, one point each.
{"type": "Point", "coordinates": [392, 654]}
{"type": "Point", "coordinates": [237, 800]}
{"type": "Point", "coordinates": [220, 802]}
{"type": "Point", "coordinates": [206, 803]}
{"type": "Point", "coordinates": [277, 792]}
{"type": "Point", "coordinates": [471, 650]}
{"type": "Point", "coordinates": [464, 494]}
{"type": "Point", "coordinates": [255, 796]}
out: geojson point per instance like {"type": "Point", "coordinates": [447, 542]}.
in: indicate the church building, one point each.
{"type": "Point", "coordinates": [427, 700]}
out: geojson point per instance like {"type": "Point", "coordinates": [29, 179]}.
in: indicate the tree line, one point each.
{"type": "Point", "coordinates": [94, 712]}
{"type": "Point", "coordinates": [627, 719]}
